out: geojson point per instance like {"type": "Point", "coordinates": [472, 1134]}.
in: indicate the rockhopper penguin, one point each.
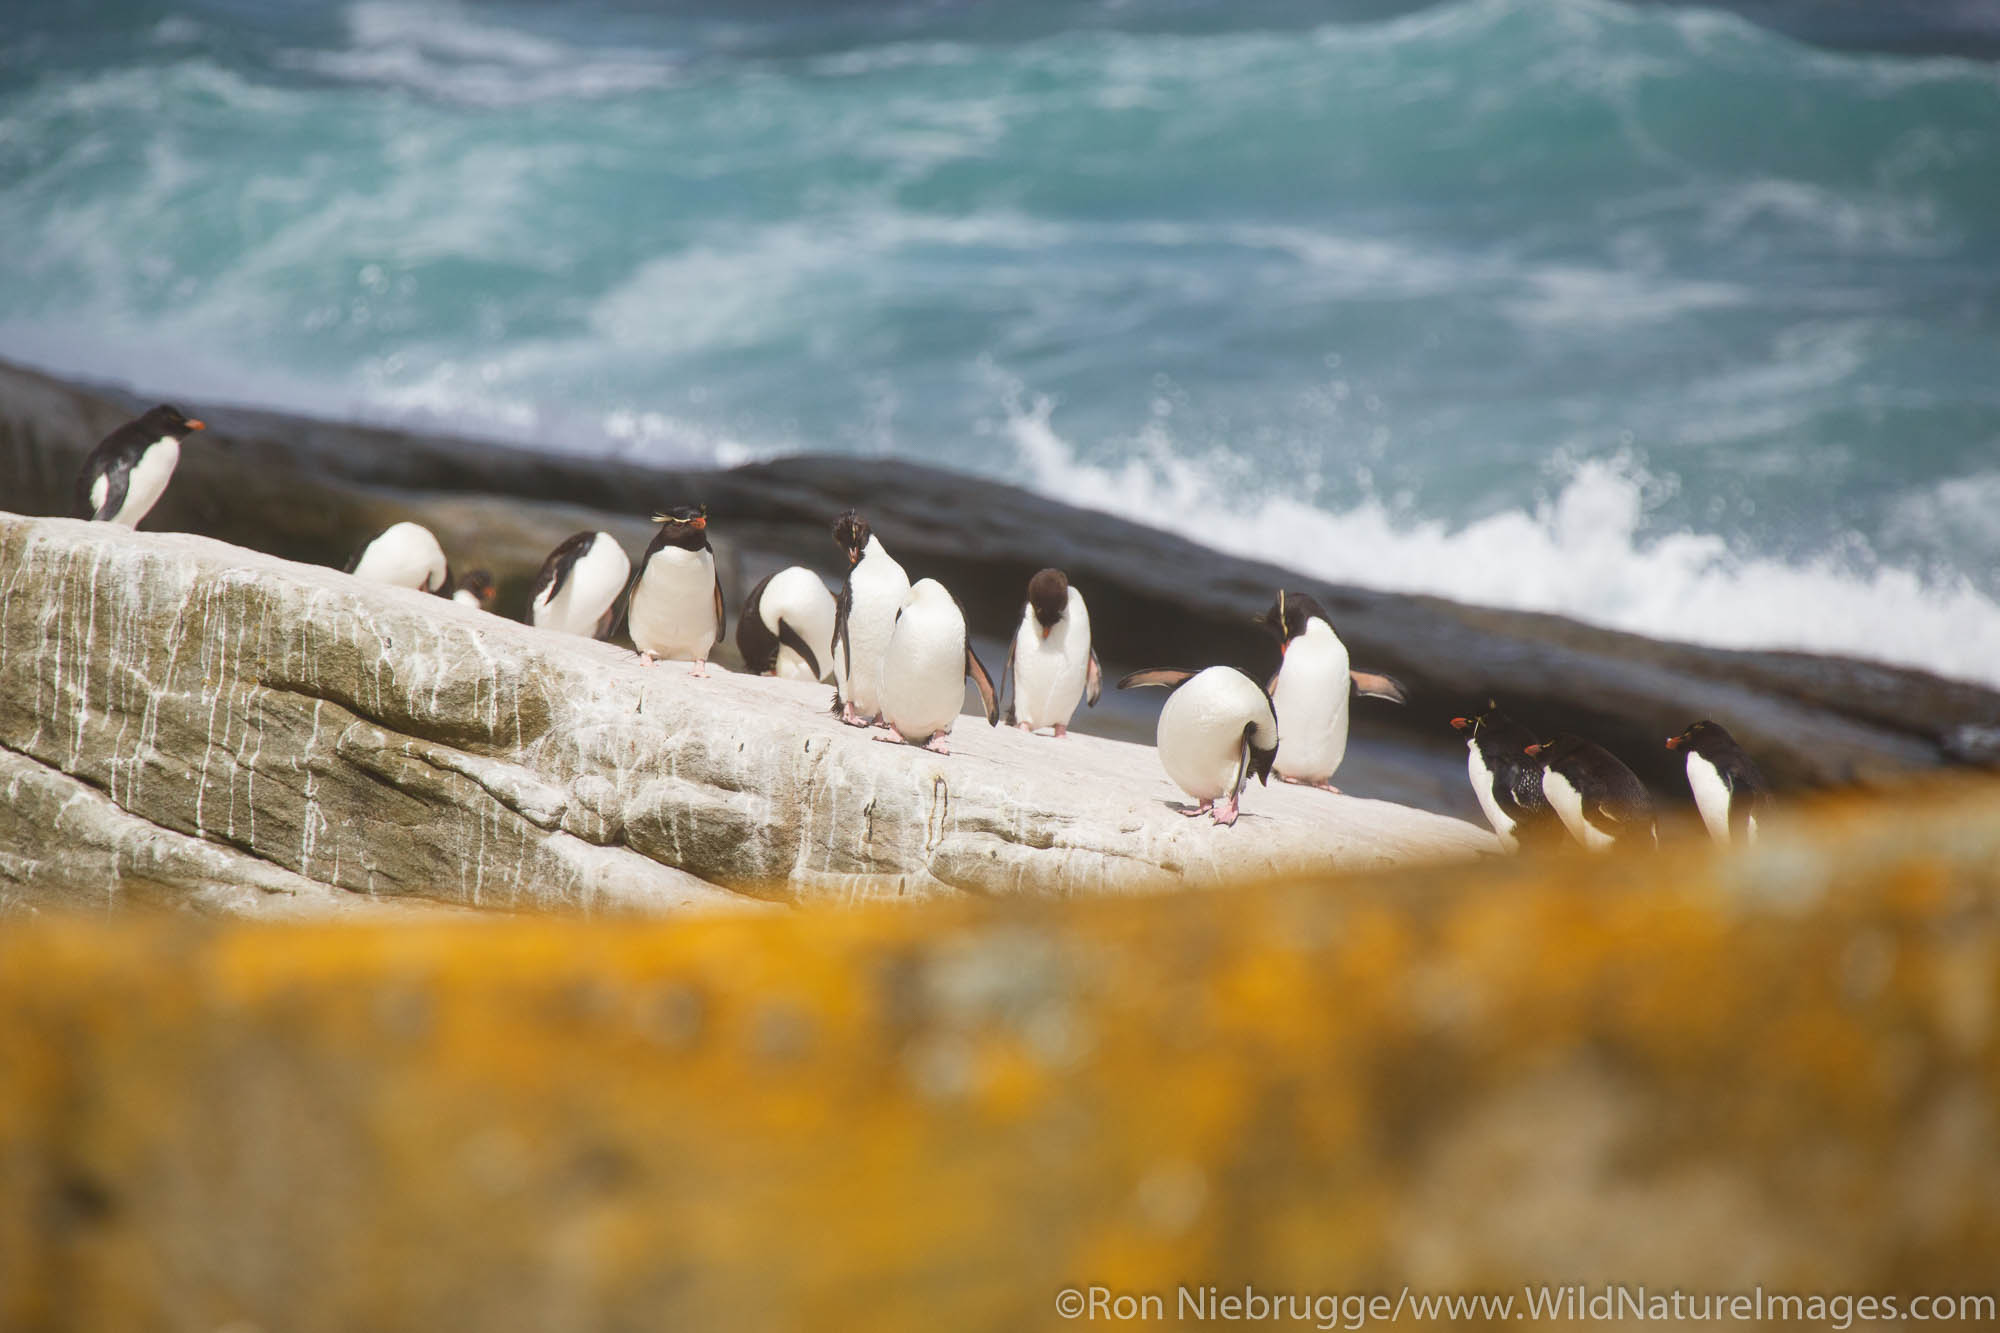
{"type": "Point", "coordinates": [1051, 662]}
{"type": "Point", "coordinates": [1312, 689]}
{"type": "Point", "coordinates": [1600, 801]}
{"type": "Point", "coordinates": [925, 666]}
{"type": "Point", "coordinates": [128, 472]}
{"type": "Point", "coordinates": [578, 589]}
{"type": "Point", "coordinates": [1216, 729]}
{"type": "Point", "coordinates": [863, 620]}
{"type": "Point", "coordinates": [675, 610]}
{"type": "Point", "coordinates": [1730, 792]}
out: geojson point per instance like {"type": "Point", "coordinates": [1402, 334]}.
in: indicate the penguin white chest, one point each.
{"type": "Point", "coordinates": [673, 606]}
{"type": "Point", "coordinates": [1312, 699]}
{"type": "Point", "coordinates": [1200, 735]}
{"type": "Point", "coordinates": [1482, 787]}
{"type": "Point", "coordinates": [1567, 802]}
{"type": "Point", "coordinates": [1711, 796]}
{"type": "Point", "coordinates": [1049, 672]}
{"type": "Point", "coordinates": [144, 484]}
{"type": "Point", "coordinates": [406, 555]}
{"type": "Point", "coordinates": [796, 596]}
{"type": "Point", "coordinates": [923, 668]}
{"type": "Point", "coordinates": [876, 590]}
{"type": "Point", "coordinates": [591, 589]}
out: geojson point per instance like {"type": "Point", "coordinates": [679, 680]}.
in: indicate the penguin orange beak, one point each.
{"type": "Point", "coordinates": [1534, 749]}
{"type": "Point", "coordinates": [1461, 723]}
{"type": "Point", "coordinates": [1044, 629]}
{"type": "Point", "coordinates": [197, 425]}
{"type": "Point", "coordinates": [1673, 742]}
{"type": "Point", "coordinates": [700, 522]}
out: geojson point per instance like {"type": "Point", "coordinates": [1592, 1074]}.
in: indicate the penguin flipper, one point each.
{"type": "Point", "coordinates": [1379, 687]}
{"type": "Point", "coordinates": [1171, 677]}
{"type": "Point", "coordinates": [1093, 681]}
{"type": "Point", "coordinates": [977, 670]}
{"type": "Point", "coordinates": [113, 478]}
{"type": "Point", "coordinates": [721, 620]}
{"type": "Point", "coordinates": [842, 644]}
{"type": "Point", "coordinates": [1007, 674]}
{"type": "Point", "coordinates": [753, 638]}
{"type": "Point", "coordinates": [790, 638]}
{"type": "Point", "coordinates": [555, 569]}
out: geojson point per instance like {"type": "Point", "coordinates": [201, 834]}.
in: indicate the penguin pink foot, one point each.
{"type": "Point", "coordinates": [647, 659]}
{"type": "Point", "coordinates": [850, 717]}
{"type": "Point", "coordinates": [1025, 727]}
{"type": "Point", "coordinates": [1062, 730]}
{"type": "Point", "coordinates": [1322, 784]}
{"type": "Point", "coordinates": [1225, 812]}
{"type": "Point", "coordinates": [1201, 809]}
{"type": "Point", "coordinates": [700, 670]}
{"type": "Point", "coordinates": [937, 744]}
{"type": "Point", "coordinates": [894, 737]}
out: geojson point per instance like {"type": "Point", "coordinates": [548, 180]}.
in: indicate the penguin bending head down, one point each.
{"type": "Point", "coordinates": [1311, 690]}
{"type": "Point", "coordinates": [578, 589]}
{"type": "Point", "coordinates": [1729, 790]}
{"type": "Point", "coordinates": [924, 669]}
{"type": "Point", "coordinates": [403, 555]}
{"type": "Point", "coordinates": [675, 610]}
{"type": "Point", "coordinates": [786, 626]}
{"type": "Point", "coordinates": [1051, 661]}
{"type": "Point", "coordinates": [1599, 800]}
{"type": "Point", "coordinates": [1506, 778]}
{"type": "Point", "coordinates": [1216, 729]}
{"type": "Point", "coordinates": [863, 620]}
{"type": "Point", "coordinates": [475, 590]}
{"type": "Point", "coordinates": [128, 472]}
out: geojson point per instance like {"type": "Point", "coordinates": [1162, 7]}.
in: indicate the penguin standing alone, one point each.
{"type": "Point", "coordinates": [403, 555]}
{"type": "Point", "coordinates": [578, 589]}
{"type": "Point", "coordinates": [924, 669]}
{"type": "Point", "coordinates": [1600, 801]}
{"type": "Point", "coordinates": [128, 472]}
{"type": "Point", "coordinates": [1051, 661]}
{"type": "Point", "coordinates": [786, 626]}
{"type": "Point", "coordinates": [1312, 688]}
{"type": "Point", "coordinates": [675, 610]}
{"type": "Point", "coordinates": [1506, 778]}
{"type": "Point", "coordinates": [1729, 790]}
{"type": "Point", "coordinates": [1216, 729]}
{"type": "Point", "coordinates": [863, 620]}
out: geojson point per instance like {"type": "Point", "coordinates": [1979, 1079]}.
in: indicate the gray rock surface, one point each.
{"type": "Point", "coordinates": [234, 728]}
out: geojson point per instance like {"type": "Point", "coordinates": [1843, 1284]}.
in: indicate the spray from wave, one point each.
{"type": "Point", "coordinates": [1579, 553]}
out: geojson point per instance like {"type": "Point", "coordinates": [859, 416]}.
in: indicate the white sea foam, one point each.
{"type": "Point", "coordinates": [1580, 553]}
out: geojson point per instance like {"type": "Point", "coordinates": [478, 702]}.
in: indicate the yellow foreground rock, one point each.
{"type": "Point", "coordinates": [1684, 1070]}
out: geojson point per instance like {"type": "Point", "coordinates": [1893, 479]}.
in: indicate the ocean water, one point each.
{"type": "Point", "coordinates": [1654, 316]}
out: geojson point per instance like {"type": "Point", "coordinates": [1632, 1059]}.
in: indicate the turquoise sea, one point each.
{"type": "Point", "coordinates": [1674, 319]}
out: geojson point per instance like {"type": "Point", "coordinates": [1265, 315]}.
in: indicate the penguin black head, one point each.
{"type": "Point", "coordinates": [1474, 723]}
{"type": "Point", "coordinates": [1695, 736]}
{"type": "Point", "coordinates": [850, 534]}
{"type": "Point", "coordinates": [1048, 594]}
{"type": "Point", "coordinates": [480, 584]}
{"type": "Point", "coordinates": [1556, 750]}
{"type": "Point", "coordinates": [685, 527]}
{"type": "Point", "coordinates": [167, 419]}
{"type": "Point", "coordinates": [1290, 614]}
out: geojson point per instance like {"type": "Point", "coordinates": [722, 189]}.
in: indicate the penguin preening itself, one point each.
{"type": "Point", "coordinates": [1216, 729]}
{"type": "Point", "coordinates": [1729, 790]}
{"type": "Point", "coordinates": [475, 590]}
{"type": "Point", "coordinates": [128, 472]}
{"type": "Point", "coordinates": [403, 555]}
{"type": "Point", "coordinates": [1599, 800]}
{"type": "Point", "coordinates": [924, 669]}
{"type": "Point", "coordinates": [1312, 688]}
{"type": "Point", "coordinates": [1506, 778]}
{"type": "Point", "coordinates": [786, 626]}
{"type": "Point", "coordinates": [1051, 661]}
{"type": "Point", "coordinates": [675, 610]}
{"type": "Point", "coordinates": [863, 620]}
{"type": "Point", "coordinates": [578, 589]}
